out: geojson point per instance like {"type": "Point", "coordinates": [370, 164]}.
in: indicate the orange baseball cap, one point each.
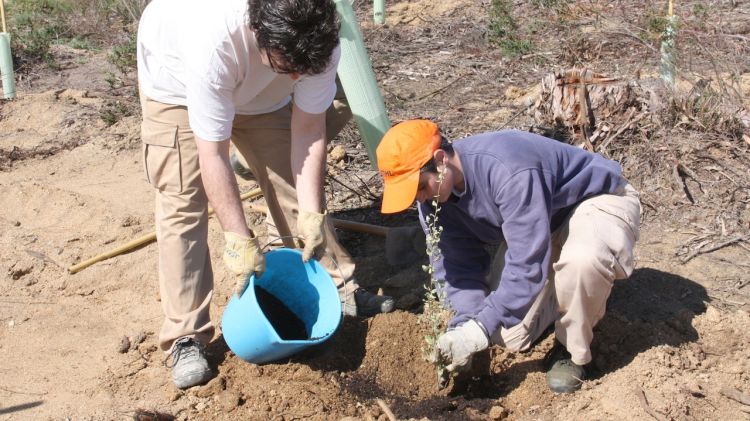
{"type": "Point", "coordinates": [404, 149]}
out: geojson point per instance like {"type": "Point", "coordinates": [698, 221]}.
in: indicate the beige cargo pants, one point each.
{"type": "Point", "coordinates": [591, 249]}
{"type": "Point", "coordinates": [181, 212]}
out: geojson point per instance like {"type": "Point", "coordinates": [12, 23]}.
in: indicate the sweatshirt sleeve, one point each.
{"type": "Point", "coordinates": [524, 202]}
{"type": "Point", "coordinates": [461, 267]}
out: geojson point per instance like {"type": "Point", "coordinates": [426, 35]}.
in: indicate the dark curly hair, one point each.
{"type": "Point", "coordinates": [299, 36]}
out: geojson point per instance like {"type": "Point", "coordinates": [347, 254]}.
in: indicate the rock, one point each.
{"type": "Point", "coordinates": [712, 315]}
{"type": "Point", "coordinates": [21, 268]}
{"type": "Point", "coordinates": [173, 394]}
{"type": "Point", "coordinates": [228, 400]}
{"type": "Point", "coordinates": [138, 339]}
{"type": "Point", "coordinates": [129, 221]}
{"type": "Point", "coordinates": [337, 154]}
{"type": "Point", "coordinates": [497, 412]}
{"type": "Point", "coordinates": [124, 345]}
{"type": "Point", "coordinates": [146, 349]}
{"type": "Point", "coordinates": [212, 388]}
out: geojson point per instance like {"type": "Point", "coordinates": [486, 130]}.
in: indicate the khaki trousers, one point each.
{"type": "Point", "coordinates": [181, 211]}
{"type": "Point", "coordinates": [591, 249]}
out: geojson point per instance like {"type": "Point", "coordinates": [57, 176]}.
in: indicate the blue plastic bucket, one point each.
{"type": "Point", "coordinates": [306, 289]}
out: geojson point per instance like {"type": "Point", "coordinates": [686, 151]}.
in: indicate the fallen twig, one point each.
{"type": "Point", "coordinates": [644, 403]}
{"type": "Point", "coordinates": [368, 196]}
{"type": "Point", "coordinates": [735, 395]}
{"type": "Point", "coordinates": [622, 128]}
{"type": "Point", "coordinates": [387, 411]}
{"type": "Point", "coordinates": [441, 89]}
{"type": "Point", "coordinates": [735, 239]}
{"type": "Point", "coordinates": [22, 393]}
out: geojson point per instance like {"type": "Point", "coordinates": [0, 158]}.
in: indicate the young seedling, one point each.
{"type": "Point", "coordinates": [436, 312]}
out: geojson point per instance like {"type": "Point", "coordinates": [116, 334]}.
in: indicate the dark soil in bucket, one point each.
{"type": "Point", "coordinates": [284, 321]}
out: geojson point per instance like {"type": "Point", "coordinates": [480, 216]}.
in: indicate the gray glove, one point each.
{"type": "Point", "coordinates": [455, 347]}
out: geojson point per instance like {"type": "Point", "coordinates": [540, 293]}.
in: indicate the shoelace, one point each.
{"type": "Point", "coordinates": [185, 349]}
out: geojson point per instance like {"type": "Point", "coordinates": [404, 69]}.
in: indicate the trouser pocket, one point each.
{"type": "Point", "coordinates": [618, 224]}
{"type": "Point", "coordinates": [161, 156]}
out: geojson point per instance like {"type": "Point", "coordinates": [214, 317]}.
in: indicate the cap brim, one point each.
{"type": "Point", "coordinates": [400, 193]}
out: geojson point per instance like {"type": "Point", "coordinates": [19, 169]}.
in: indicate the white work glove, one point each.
{"type": "Point", "coordinates": [242, 257]}
{"type": "Point", "coordinates": [310, 228]}
{"type": "Point", "coordinates": [455, 347]}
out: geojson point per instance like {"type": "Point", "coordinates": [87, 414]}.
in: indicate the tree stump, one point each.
{"type": "Point", "coordinates": [579, 102]}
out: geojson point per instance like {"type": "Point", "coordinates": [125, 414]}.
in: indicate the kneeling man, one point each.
{"type": "Point", "coordinates": [564, 220]}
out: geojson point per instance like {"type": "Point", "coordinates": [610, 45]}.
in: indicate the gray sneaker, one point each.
{"type": "Point", "coordinates": [564, 376]}
{"type": "Point", "coordinates": [367, 304]}
{"type": "Point", "coordinates": [239, 168]}
{"type": "Point", "coordinates": [189, 365]}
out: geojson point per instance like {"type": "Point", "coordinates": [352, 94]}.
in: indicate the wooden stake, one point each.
{"type": "Point", "coordinates": [2, 13]}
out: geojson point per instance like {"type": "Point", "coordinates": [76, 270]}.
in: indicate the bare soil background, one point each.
{"type": "Point", "coordinates": [676, 333]}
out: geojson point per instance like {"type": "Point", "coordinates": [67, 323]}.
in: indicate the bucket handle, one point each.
{"type": "Point", "coordinates": [329, 255]}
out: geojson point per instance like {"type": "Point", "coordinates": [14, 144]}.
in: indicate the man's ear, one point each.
{"type": "Point", "coordinates": [439, 157]}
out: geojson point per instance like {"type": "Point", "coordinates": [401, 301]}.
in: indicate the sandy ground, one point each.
{"type": "Point", "coordinates": [71, 187]}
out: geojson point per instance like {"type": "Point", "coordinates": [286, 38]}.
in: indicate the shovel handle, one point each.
{"type": "Point", "coordinates": [360, 227]}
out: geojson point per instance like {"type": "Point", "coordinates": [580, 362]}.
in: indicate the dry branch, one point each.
{"type": "Point", "coordinates": [644, 403]}
{"type": "Point", "coordinates": [701, 250]}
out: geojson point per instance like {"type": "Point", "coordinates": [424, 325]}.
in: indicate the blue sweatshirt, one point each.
{"type": "Point", "coordinates": [519, 187]}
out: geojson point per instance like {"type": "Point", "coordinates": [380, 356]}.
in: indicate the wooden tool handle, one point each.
{"type": "Point", "coordinates": [140, 241]}
{"type": "Point", "coordinates": [360, 227]}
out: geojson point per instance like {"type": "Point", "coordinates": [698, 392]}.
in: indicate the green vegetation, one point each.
{"type": "Point", "coordinates": [36, 25]}
{"type": "Point", "coordinates": [123, 55]}
{"type": "Point", "coordinates": [504, 30]}
{"type": "Point", "coordinates": [435, 313]}
{"type": "Point", "coordinates": [654, 24]}
{"type": "Point", "coordinates": [114, 112]}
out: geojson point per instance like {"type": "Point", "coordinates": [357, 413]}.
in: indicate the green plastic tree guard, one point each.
{"type": "Point", "coordinates": [358, 81]}
{"type": "Point", "coordinates": [6, 67]}
{"type": "Point", "coordinates": [378, 9]}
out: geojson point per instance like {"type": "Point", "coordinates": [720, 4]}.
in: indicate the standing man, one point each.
{"type": "Point", "coordinates": [260, 73]}
{"type": "Point", "coordinates": [565, 221]}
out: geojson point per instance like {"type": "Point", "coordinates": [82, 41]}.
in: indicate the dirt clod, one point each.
{"type": "Point", "coordinates": [124, 345]}
{"type": "Point", "coordinates": [498, 413]}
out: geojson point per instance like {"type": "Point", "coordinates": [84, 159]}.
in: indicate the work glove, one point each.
{"type": "Point", "coordinates": [310, 228]}
{"type": "Point", "coordinates": [455, 347]}
{"type": "Point", "coordinates": [242, 257]}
